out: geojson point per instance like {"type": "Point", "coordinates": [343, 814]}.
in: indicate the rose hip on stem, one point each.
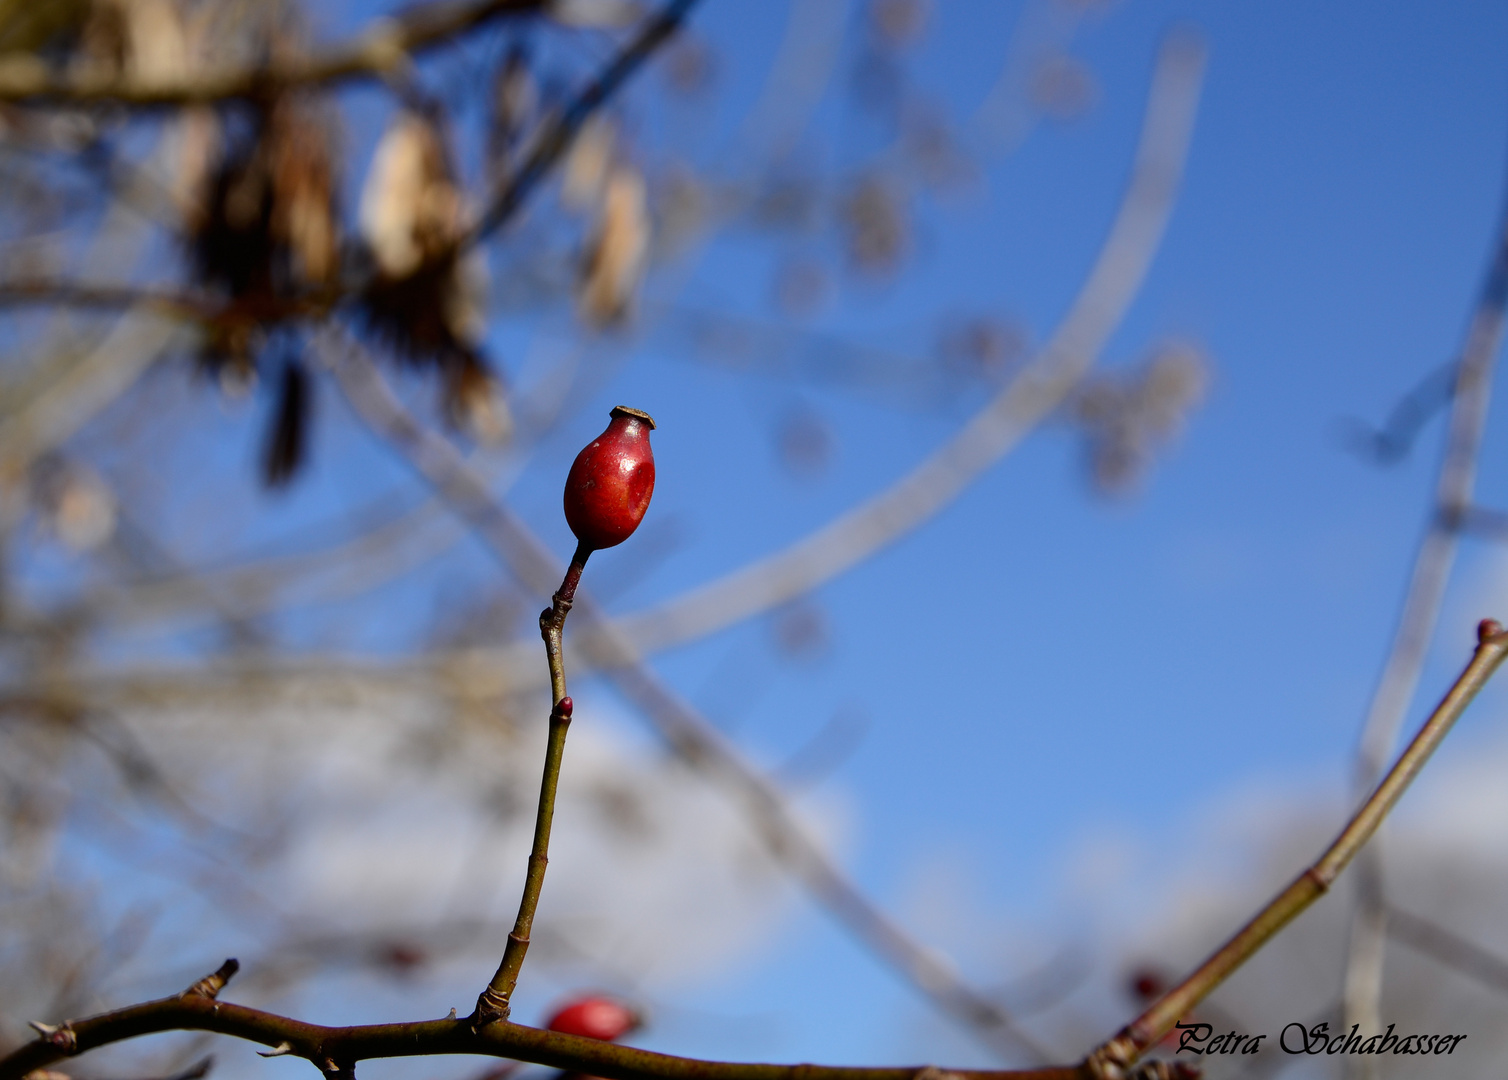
{"type": "Point", "coordinates": [606, 494]}
{"type": "Point", "coordinates": [610, 482]}
{"type": "Point", "coordinates": [595, 1018]}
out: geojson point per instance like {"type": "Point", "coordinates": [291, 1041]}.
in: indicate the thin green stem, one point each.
{"type": "Point", "coordinates": [1115, 1057]}
{"type": "Point", "coordinates": [492, 1005]}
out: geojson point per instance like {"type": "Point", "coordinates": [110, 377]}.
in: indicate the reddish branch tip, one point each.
{"type": "Point", "coordinates": [563, 708]}
{"type": "Point", "coordinates": [611, 481]}
{"type": "Point", "coordinates": [1488, 628]}
{"type": "Point", "coordinates": [595, 1018]}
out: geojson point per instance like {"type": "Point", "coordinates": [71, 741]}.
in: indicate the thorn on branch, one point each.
{"type": "Point", "coordinates": [58, 1035]}
{"type": "Point", "coordinates": [211, 985]}
{"type": "Point", "coordinates": [277, 1051]}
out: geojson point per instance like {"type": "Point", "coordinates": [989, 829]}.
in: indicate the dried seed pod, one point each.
{"type": "Point", "coordinates": [476, 402]}
{"type": "Point", "coordinates": [302, 175]}
{"type": "Point", "coordinates": [611, 481]}
{"type": "Point", "coordinates": [410, 208]}
{"type": "Point", "coordinates": [615, 261]}
{"type": "Point", "coordinates": [587, 163]}
{"type": "Point", "coordinates": [427, 299]}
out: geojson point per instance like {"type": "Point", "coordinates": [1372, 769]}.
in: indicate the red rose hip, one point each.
{"type": "Point", "coordinates": [610, 482]}
{"type": "Point", "coordinates": [595, 1018]}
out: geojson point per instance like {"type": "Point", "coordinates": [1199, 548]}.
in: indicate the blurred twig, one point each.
{"type": "Point", "coordinates": [384, 45]}
{"type": "Point", "coordinates": [42, 292]}
{"type": "Point", "coordinates": [1392, 442]}
{"type": "Point", "coordinates": [552, 142]}
{"type": "Point", "coordinates": [1448, 948]}
{"type": "Point", "coordinates": [81, 389]}
{"type": "Point", "coordinates": [1416, 624]}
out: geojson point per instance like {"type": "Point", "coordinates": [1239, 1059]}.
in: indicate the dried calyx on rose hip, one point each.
{"type": "Point", "coordinates": [595, 1018]}
{"type": "Point", "coordinates": [610, 482]}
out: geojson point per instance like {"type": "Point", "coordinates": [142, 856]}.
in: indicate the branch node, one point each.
{"type": "Point", "coordinates": [1488, 629]}
{"type": "Point", "coordinates": [211, 985]}
{"type": "Point", "coordinates": [1321, 882]}
{"type": "Point", "coordinates": [1113, 1060]}
{"type": "Point", "coordinates": [491, 1007]}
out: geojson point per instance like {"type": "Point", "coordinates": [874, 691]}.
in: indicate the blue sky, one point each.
{"type": "Point", "coordinates": [1042, 672]}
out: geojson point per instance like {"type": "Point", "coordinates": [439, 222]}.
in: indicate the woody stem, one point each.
{"type": "Point", "coordinates": [494, 1001]}
{"type": "Point", "coordinates": [1115, 1057]}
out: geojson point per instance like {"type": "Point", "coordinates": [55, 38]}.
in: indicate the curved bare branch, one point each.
{"type": "Point", "coordinates": [1396, 687]}
{"type": "Point", "coordinates": [1000, 426]}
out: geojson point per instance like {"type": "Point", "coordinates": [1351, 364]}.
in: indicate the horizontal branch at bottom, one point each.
{"type": "Point", "coordinates": [333, 1048]}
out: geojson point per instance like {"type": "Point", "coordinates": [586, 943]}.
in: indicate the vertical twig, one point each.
{"type": "Point", "coordinates": [1421, 609]}
{"type": "Point", "coordinates": [1114, 1058]}
{"type": "Point", "coordinates": [493, 1002]}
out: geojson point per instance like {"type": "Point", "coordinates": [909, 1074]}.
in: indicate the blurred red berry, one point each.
{"type": "Point", "coordinates": [595, 1018]}
{"type": "Point", "coordinates": [610, 482]}
{"type": "Point", "coordinates": [1147, 984]}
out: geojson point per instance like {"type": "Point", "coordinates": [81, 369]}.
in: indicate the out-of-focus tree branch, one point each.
{"type": "Point", "coordinates": [1399, 680]}
{"type": "Point", "coordinates": [82, 389]}
{"type": "Point", "coordinates": [1450, 949]}
{"type": "Point", "coordinates": [385, 45]}
{"type": "Point", "coordinates": [995, 430]}
{"type": "Point", "coordinates": [556, 137]}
